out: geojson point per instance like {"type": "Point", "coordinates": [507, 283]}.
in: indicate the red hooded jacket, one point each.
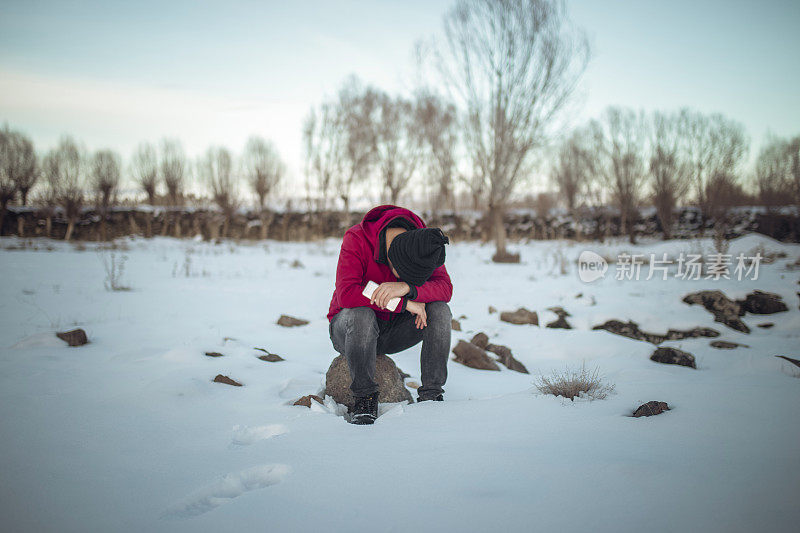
{"type": "Point", "coordinates": [358, 264]}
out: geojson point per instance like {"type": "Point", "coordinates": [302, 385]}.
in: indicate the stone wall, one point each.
{"type": "Point", "coordinates": [302, 226]}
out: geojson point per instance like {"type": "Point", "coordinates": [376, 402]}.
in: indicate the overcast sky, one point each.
{"type": "Point", "coordinates": [116, 73]}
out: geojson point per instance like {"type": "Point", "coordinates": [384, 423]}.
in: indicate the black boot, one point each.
{"type": "Point", "coordinates": [365, 410]}
{"type": "Point", "coordinates": [439, 398]}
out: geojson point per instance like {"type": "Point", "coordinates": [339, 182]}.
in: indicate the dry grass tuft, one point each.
{"type": "Point", "coordinates": [583, 383]}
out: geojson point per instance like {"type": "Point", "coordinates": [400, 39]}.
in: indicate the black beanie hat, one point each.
{"type": "Point", "coordinates": [416, 253]}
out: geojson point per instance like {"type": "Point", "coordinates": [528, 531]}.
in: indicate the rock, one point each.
{"type": "Point", "coordinates": [766, 325]}
{"type": "Point", "coordinates": [214, 354]}
{"type": "Point", "coordinates": [270, 357]}
{"type": "Point", "coordinates": [763, 303]}
{"type": "Point", "coordinates": [724, 309]}
{"type": "Point", "coordinates": [470, 355]}
{"type": "Point", "coordinates": [73, 337]}
{"type": "Point", "coordinates": [520, 316]}
{"type": "Point", "coordinates": [561, 321]}
{"type": "Point", "coordinates": [492, 309]}
{"type": "Point", "coordinates": [673, 356]}
{"type": "Point", "coordinates": [504, 355]}
{"type": "Point", "coordinates": [632, 331]}
{"type": "Point", "coordinates": [455, 324]}
{"type": "Point", "coordinates": [651, 409]}
{"type": "Point", "coordinates": [390, 384]}
{"type": "Point", "coordinates": [727, 345]}
{"type": "Point", "coordinates": [297, 264]}
{"type": "Point", "coordinates": [675, 335]}
{"type": "Point", "coordinates": [306, 400]}
{"type": "Point", "coordinates": [290, 321]}
{"type": "Point", "coordinates": [412, 385]}
{"type": "Point", "coordinates": [226, 380]}
{"type": "Point", "coordinates": [795, 362]}
{"type": "Point", "coordinates": [505, 257]}
{"type": "Point", "coordinates": [481, 340]}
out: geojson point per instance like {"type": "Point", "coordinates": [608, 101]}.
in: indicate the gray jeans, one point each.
{"type": "Point", "coordinates": [359, 335]}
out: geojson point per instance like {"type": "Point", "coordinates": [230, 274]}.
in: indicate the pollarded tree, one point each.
{"type": "Point", "coordinates": [65, 168]}
{"type": "Point", "coordinates": [716, 147]}
{"type": "Point", "coordinates": [174, 169]}
{"type": "Point", "coordinates": [438, 126]}
{"type": "Point", "coordinates": [513, 65]}
{"type": "Point", "coordinates": [323, 141]}
{"type": "Point", "coordinates": [669, 167]}
{"type": "Point", "coordinates": [264, 169]}
{"type": "Point", "coordinates": [574, 167]}
{"type": "Point", "coordinates": [26, 171]}
{"type": "Point", "coordinates": [398, 144]}
{"type": "Point", "coordinates": [773, 173]}
{"type": "Point", "coordinates": [794, 167]}
{"type": "Point", "coordinates": [105, 173]}
{"type": "Point", "coordinates": [18, 168]}
{"type": "Point", "coordinates": [357, 107]}
{"type": "Point", "coordinates": [8, 164]}
{"type": "Point", "coordinates": [144, 168]}
{"type": "Point", "coordinates": [620, 141]}
{"type": "Point", "coordinates": [215, 168]}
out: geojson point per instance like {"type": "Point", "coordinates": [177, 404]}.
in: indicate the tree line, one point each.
{"type": "Point", "coordinates": [630, 158]}
{"type": "Point", "coordinates": [492, 115]}
{"type": "Point", "coordinates": [69, 177]}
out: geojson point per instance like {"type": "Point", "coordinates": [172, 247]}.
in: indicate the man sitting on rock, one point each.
{"type": "Point", "coordinates": [392, 247]}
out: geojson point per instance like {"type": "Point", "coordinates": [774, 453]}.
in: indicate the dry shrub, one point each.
{"type": "Point", "coordinates": [571, 384]}
{"type": "Point", "coordinates": [114, 266]}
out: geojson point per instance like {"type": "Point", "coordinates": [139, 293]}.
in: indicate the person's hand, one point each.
{"type": "Point", "coordinates": [418, 309]}
{"type": "Point", "coordinates": [387, 291]}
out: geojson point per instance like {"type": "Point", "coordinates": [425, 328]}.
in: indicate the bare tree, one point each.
{"type": "Point", "coordinates": [574, 167]}
{"type": "Point", "coordinates": [437, 122]}
{"type": "Point", "coordinates": [8, 169]}
{"type": "Point", "coordinates": [513, 64]}
{"type": "Point", "coordinates": [144, 167]}
{"type": "Point", "coordinates": [173, 169]}
{"type": "Point", "coordinates": [398, 144]}
{"type": "Point", "coordinates": [357, 107]}
{"type": "Point", "coordinates": [620, 137]}
{"type": "Point", "coordinates": [105, 168]}
{"type": "Point", "coordinates": [669, 169]}
{"type": "Point", "coordinates": [793, 153]}
{"type": "Point", "coordinates": [47, 195]}
{"type": "Point", "coordinates": [216, 170]}
{"type": "Point", "coordinates": [723, 191]}
{"type": "Point", "coordinates": [27, 171]}
{"type": "Point", "coordinates": [18, 168]}
{"type": "Point", "coordinates": [65, 170]}
{"type": "Point", "coordinates": [323, 141]}
{"type": "Point", "coordinates": [264, 170]}
{"type": "Point", "coordinates": [717, 146]}
{"type": "Point", "coordinates": [773, 173]}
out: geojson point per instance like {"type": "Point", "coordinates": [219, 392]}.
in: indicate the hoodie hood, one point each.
{"type": "Point", "coordinates": [378, 217]}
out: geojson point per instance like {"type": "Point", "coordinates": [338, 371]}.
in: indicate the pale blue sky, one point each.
{"type": "Point", "coordinates": [116, 73]}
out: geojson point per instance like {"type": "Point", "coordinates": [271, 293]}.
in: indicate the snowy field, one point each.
{"type": "Point", "coordinates": [129, 433]}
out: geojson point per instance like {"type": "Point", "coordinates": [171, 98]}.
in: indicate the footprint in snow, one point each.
{"type": "Point", "coordinates": [245, 435]}
{"type": "Point", "coordinates": [226, 489]}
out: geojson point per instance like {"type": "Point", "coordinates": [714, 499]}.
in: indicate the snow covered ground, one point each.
{"type": "Point", "coordinates": [129, 433]}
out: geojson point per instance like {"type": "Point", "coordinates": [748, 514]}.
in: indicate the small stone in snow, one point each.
{"type": "Point", "coordinates": [651, 409]}
{"type": "Point", "coordinates": [74, 337]}
{"type": "Point", "coordinates": [290, 321]}
{"type": "Point", "coordinates": [226, 380]}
